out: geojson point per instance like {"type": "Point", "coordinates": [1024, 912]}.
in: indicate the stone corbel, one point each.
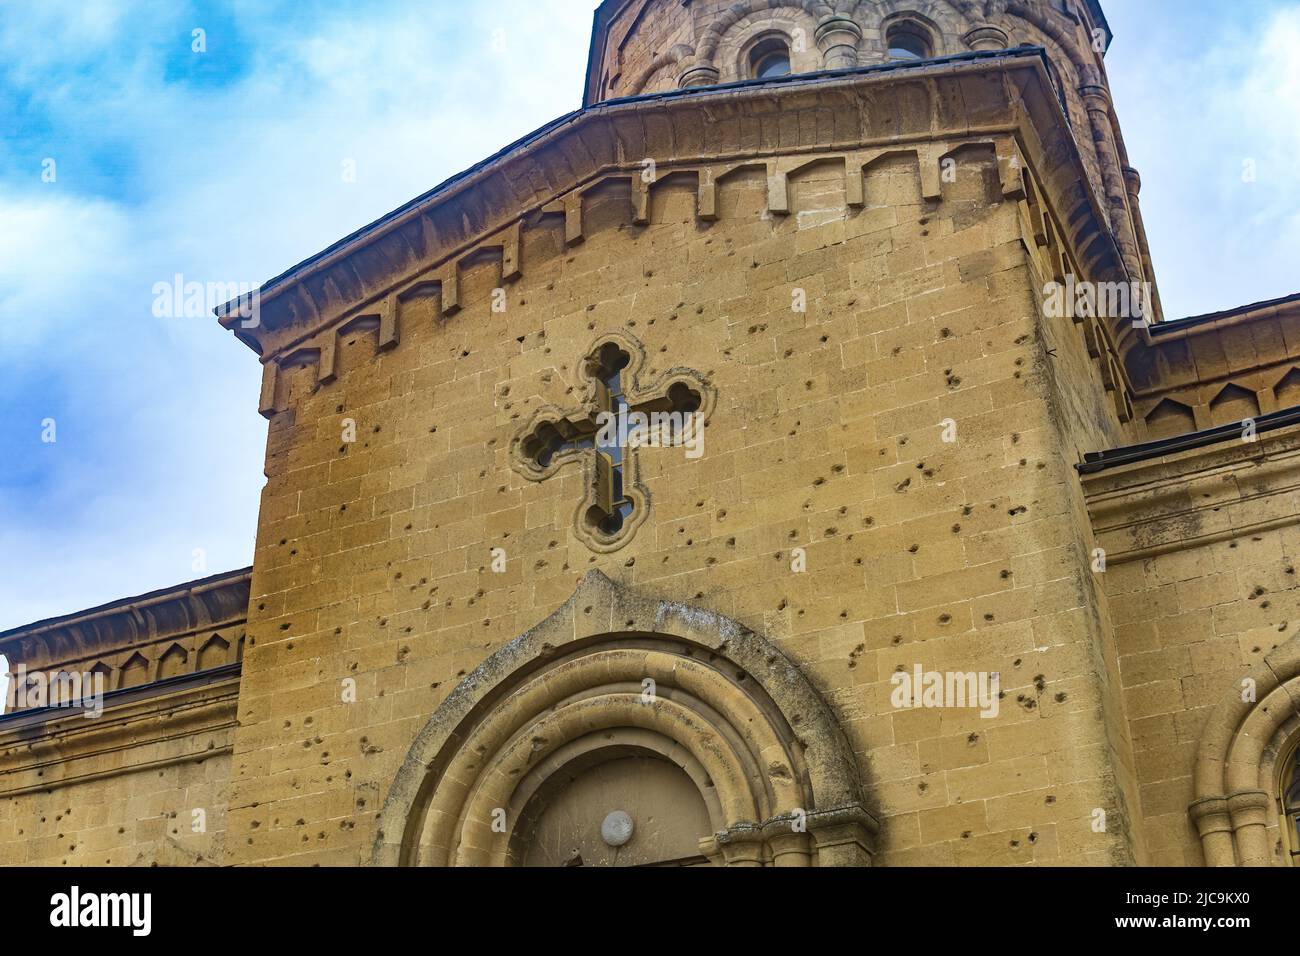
{"type": "Point", "coordinates": [930, 156]}
{"type": "Point", "coordinates": [327, 368]}
{"type": "Point", "coordinates": [1011, 169]}
{"type": "Point", "coordinates": [640, 200]}
{"type": "Point", "coordinates": [706, 207]}
{"type": "Point", "coordinates": [778, 186]}
{"type": "Point", "coordinates": [266, 400]}
{"type": "Point", "coordinates": [570, 207]}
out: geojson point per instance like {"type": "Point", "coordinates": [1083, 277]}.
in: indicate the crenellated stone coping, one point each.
{"type": "Point", "coordinates": [109, 636]}
{"type": "Point", "coordinates": [931, 111]}
{"type": "Point", "coordinates": [1195, 365]}
{"type": "Point", "coordinates": [150, 661]}
{"type": "Point", "coordinates": [444, 279]}
{"type": "Point", "coordinates": [959, 28]}
{"type": "Point", "coordinates": [1045, 242]}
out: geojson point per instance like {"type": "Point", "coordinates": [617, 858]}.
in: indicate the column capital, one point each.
{"type": "Point", "coordinates": [698, 74]}
{"type": "Point", "coordinates": [987, 38]}
{"type": "Point", "coordinates": [1210, 814]}
{"type": "Point", "coordinates": [837, 23]}
{"type": "Point", "coordinates": [1249, 807]}
{"type": "Point", "coordinates": [742, 844]}
{"type": "Point", "coordinates": [1096, 97]}
{"type": "Point", "coordinates": [845, 836]}
{"type": "Point", "coordinates": [837, 38]}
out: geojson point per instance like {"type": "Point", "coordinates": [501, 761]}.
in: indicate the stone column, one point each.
{"type": "Point", "coordinates": [1133, 181]}
{"type": "Point", "coordinates": [791, 850]}
{"type": "Point", "coordinates": [1096, 100]}
{"type": "Point", "coordinates": [837, 39]}
{"type": "Point", "coordinates": [1210, 814]}
{"type": "Point", "coordinates": [789, 846]}
{"type": "Point", "coordinates": [1249, 810]}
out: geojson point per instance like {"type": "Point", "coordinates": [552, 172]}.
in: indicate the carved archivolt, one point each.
{"type": "Point", "coordinates": [614, 671]}
{"type": "Point", "coordinates": [1235, 810]}
{"type": "Point", "coordinates": [796, 28]}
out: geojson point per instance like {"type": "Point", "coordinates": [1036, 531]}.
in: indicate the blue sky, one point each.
{"type": "Point", "coordinates": [226, 166]}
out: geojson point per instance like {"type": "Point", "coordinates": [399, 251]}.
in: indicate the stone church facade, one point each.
{"type": "Point", "coordinates": [479, 631]}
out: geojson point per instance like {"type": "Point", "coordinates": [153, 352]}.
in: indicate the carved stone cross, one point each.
{"type": "Point", "coordinates": [617, 417]}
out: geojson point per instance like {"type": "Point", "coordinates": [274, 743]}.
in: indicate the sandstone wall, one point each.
{"type": "Point", "coordinates": [1201, 581]}
{"type": "Point", "coordinates": [374, 557]}
{"type": "Point", "coordinates": [120, 789]}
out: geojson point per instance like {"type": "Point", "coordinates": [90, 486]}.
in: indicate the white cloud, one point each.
{"type": "Point", "coordinates": [160, 446]}
{"type": "Point", "coordinates": [84, 28]}
{"type": "Point", "coordinates": [1198, 96]}
{"type": "Point", "coordinates": [47, 245]}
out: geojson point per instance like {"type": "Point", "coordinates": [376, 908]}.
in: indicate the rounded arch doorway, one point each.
{"type": "Point", "coordinates": [681, 738]}
{"type": "Point", "coordinates": [622, 805]}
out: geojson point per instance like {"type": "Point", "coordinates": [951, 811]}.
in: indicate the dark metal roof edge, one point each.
{"type": "Point", "coordinates": [598, 26]}
{"type": "Point", "coordinates": [794, 79]}
{"type": "Point", "coordinates": [123, 603]}
{"type": "Point", "coordinates": [1099, 15]}
{"type": "Point", "coordinates": [212, 675]}
{"type": "Point", "coordinates": [1166, 328]}
{"type": "Point", "coordinates": [1097, 462]}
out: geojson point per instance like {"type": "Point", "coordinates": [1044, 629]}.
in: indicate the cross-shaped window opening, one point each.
{"type": "Point", "coordinates": [612, 426]}
{"type": "Point", "coordinates": [612, 508]}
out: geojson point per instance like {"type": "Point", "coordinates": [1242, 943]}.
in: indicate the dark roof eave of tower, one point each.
{"type": "Point", "coordinates": [300, 271]}
{"type": "Point", "coordinates": [599, 24]}
{"type": "Point", "coordinates": [1099, 15]}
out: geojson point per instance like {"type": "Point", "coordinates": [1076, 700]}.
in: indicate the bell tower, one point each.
{"type": "Point", "coordinates": [642, 47]}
